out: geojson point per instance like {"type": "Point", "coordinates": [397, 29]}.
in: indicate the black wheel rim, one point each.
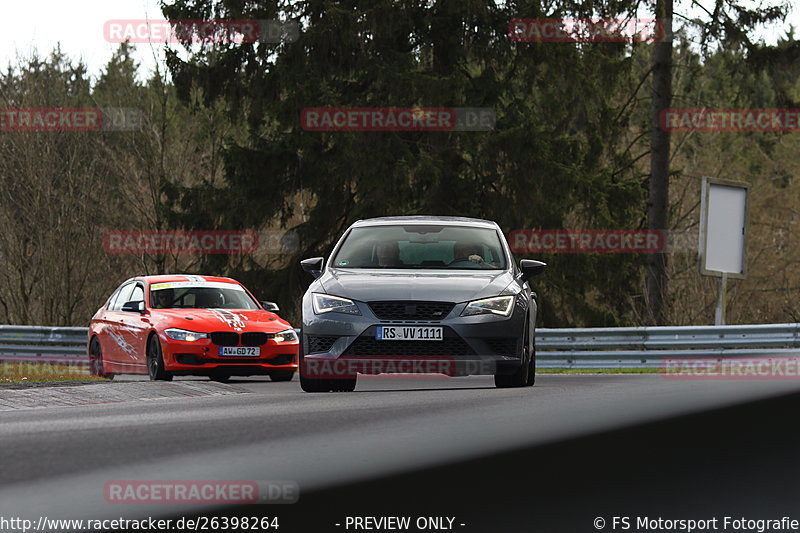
{"type": "Point", "coordinates": [152, 363]}
{"type": "Point", "coordinates": [96, 356]}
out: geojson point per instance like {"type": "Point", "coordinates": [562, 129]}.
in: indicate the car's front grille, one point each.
{"type": "Point", "coordinates": [449, 346]}
{"type": "Point", "coordinates": [225, 338]}
{"type": "Point", "coordinates": [320, 344]}
{"type": "Point", "coordinates": [255, 338]}
{"type": "Point", "coordinates": [503, 346]}
{"type": "Point", "coordinates": [411, 310]}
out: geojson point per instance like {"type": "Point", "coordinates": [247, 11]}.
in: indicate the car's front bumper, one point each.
{"type": "Point", "coordinates": [338, 343]}
{"type": "Point", "coordinates": [202, 358]}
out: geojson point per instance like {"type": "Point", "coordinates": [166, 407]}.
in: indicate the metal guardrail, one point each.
{"type": "Point", "coordinates": [650, 346]}
{"type": "Point", "coordinates": [42, 343]}
{"type": "Point", "coordinates": [555, 348]}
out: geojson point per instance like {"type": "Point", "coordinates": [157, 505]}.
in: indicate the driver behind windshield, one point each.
{"type": "Point", "coordinates": [388, 254]}
{"type": "Point", "coordinates": [467, 251]}
{"type": "Point", "coordinates": [163, 299]}
{"type": "Point", "coordinates": [209, 300]}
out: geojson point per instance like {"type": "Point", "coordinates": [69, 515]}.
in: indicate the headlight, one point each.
{"type": "Point", "coordinates": [499, 305]}
{"type": "Point", "coordinates": [288, 335]}
{"type": "Point", "coordinates": [325, 303]}
{"type": "Point", "coordinates": [184, 335]}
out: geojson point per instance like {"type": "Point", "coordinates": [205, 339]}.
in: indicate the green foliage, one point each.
{"type": "Point", "coordinates": [222, 146]}
{"type": "Point", "coordinates": [554, 159]}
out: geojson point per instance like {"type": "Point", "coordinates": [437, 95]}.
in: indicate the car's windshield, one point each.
{"type": "Point", "coordinates": [193, 295]}
{"type": "Point", "coordinates": [421, 247]}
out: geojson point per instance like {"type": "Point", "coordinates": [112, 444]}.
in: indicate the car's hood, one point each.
{"type": "Point", "coordinates": [208, 320]}
{"type": "Point", "coordinates": [432, 285]}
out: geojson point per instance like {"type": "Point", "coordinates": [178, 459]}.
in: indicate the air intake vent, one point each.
{"type": "Point", "coordinates": [452, 346]}
{"type": "Point", "coordinates": [319, 344]}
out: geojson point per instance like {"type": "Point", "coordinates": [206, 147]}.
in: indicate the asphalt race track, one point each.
{"type": "Point", "coordinates": [548, 458]}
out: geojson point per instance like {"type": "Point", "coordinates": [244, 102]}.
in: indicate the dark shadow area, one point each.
{"type": "Point", "coordinates": [737, 461]}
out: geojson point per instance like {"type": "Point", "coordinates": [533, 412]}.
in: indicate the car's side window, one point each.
{"type": "Point", "coordinates": [122, 297]}
{"type": "Point", "coordinates": [112, 299]}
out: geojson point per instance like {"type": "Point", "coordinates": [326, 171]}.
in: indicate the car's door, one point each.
{"type": "Point", "coordinates": [102, 322]}
{"type": "Point", "coordinates": [135, 327]}
{"type": "Point", "coordinates": [112, 342]}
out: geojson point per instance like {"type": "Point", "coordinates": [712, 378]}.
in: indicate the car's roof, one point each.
{"type": "Point", "coordinates": [165, 278]}
{"type": "Point", "coordinates": [426, 219]}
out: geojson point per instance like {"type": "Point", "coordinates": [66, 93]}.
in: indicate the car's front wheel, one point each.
{"type": "Point", "coordinates": [220, 375]}
{"type": "Point", "coordinates": [155, 360]}
{"type": "Point", "coordinates": [314, 384]}
{"type": "Point", "coordinates": [532, 367]}
{"type": "Point", "coordinates": [347, 384]}
{"type": "Point", "coordinates": [281, 375]}
{"type": "Point", "coordinates": [326, 385]}
{"type": "Point", "coordinates": [518, 379]}
{"type": "Point", "coordinates": [525, 375]}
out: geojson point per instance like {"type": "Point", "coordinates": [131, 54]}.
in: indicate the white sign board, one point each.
{"type": "Point", "coordinates": [723, 228]}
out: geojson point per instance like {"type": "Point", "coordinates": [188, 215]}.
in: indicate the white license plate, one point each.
{"type": "Point", "coordinates": [239, 351]}
{"type": "Point", "coordinates": [408, 333]}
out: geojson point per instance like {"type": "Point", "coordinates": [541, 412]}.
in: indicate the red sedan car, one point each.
{"type": "Point", "coordinates": [174, 325]}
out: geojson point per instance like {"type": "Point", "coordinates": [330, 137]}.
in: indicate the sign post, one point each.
{"type": "Point", "coordinates": [723, 234]}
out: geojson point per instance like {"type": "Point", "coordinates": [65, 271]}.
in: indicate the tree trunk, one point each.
{"type": "Point", "coordinates": [658, 205]}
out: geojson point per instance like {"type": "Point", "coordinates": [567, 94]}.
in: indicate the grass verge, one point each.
{"type": "Point", "coordinates": [23, 372]}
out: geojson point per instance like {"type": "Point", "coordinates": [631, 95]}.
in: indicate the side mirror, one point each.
{"type": "Point", "coordinates": [134, 307]}
{"type": "Point", "coordinates": [270, 306]}
{"type": "Point", "coordinates": [313, 266]}
{"type": "Point", "coordinates": [531, 268]}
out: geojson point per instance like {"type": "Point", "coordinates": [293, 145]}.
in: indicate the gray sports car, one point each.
{"type": "Point", "coordinates": [418, 294]}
